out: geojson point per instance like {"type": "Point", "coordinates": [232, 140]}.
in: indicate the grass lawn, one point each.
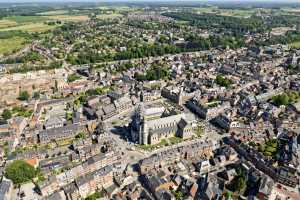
{"type": "Point", "coordinates": [65, 142]}
{"type": "Point", "coordinates": [21, 111]}
{"type": "Point", "coordinates": [96, 195]}
{"type": "Point", "coordinates": [10, 45]}
{"type": "Point", "coordinates": [199, 131]}
{"type": "Point", "coordinates": [295, 44]}
{"type": "Point", "coordinates": [212, 104]}
{"type": "Point", "coordinates": [73, 18]}
{"type": "Point", "coordinates": [162, 143]}
{"type": "Point", "coordinates": [175, 140]}
{"type": "Point", "coordinates": [30, 27]}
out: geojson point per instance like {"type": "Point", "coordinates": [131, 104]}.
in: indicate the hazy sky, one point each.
{"type": "Point", "coordinates": [277, 1]}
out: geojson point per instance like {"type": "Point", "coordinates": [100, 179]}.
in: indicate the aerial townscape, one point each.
{"type": "Point", "coordinates": [150, 100]}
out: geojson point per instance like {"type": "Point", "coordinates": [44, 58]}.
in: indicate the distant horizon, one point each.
{"type": "Point", "coordinates": [129, 1]}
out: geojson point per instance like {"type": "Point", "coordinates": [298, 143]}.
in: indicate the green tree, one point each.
{"type": "Point", "coordinates": [20, 172]}
{"type": "Point", "coordinates": [178, 194]}
{"type": "Point", "coordinates": [228, 195]}
{"type": "Point", "coordinates": [156, 72]}
{"type": "Point", "coordinates": [23, 96]}
{"type": "Point", "coordinates": [239, 182]}
{"type": "Point", "coordinates": [280, 100]}
{"type": "Point", "coordinates": [6, 114]}
{"type": "Point", "coordinates": [80, 135]}
{"type": "Point", "coordinates": [96, 195]}
{"type": "Point", "coordinates": [55, 86]}
{"type": "Point", "coordinates": [69, 116]}
{"type": "Point", "coordinates": [223, 81]}
{"type": "Point", "coordinates": [36, 95]}
{"type": "Point", "coordinates": [73, 77]}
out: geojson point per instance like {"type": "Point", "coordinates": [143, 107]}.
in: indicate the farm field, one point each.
{"type": "Point", "coordinates": [224, 12]}
{"type": "Point", "coordinates": [206, 9]}
{"type": "Point", "coordinates": [10, 45]}
{"type": "Point", "coordinates": [236, 13]}
{"type": "Point", "coordinates": [182, 22]}
{"type": "Point", "coordinates": [30, 27]}
{"type": "Point", "coordinates": [119, 8]}
{"type": "Point", "coordinates": [109, 16]}
{"type": "Point", "coordinates": [25, 23]}
{"type": "Point", "coordinates": [26, 19]}
{"type": "Point", "coordinates": [291, 10]}
{"type": "Point", "coordinates": [33, 24]}
{"type": "Point", "coordinates": [54, 12]}
{"type": "Point", "coordinates": [7, 23]}
{"type": "Point", "coordinates": [73, 18]}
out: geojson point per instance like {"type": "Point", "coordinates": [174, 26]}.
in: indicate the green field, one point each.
{"type": "Point", "coordinates": [30, 27]}
{"type": "Point", "coordinates": [22, 20]}
{"type": "Point", "coordinates": [119, 8]}
{"type": "Point", "coordinates": [236, 13]}
{"type": "Point", "coordinates": [25, 23]}
{"type": "Point", "coordinates": [182, 22]}
{"type": "Point", "coordinates": [7, 23]}
{"type": "Point", "coordinates": [73, 18]}
{"type": "Point", "coordinates": [224, 12]}
{"type": "Point", "coordinates": [10, 45]}
{"type": "Point", "coordinates": [291, 10]}
{"type": "Point", "coordinates": [27, 19]}
{"type": "Point", "coordinates": [33, 24]}
{"type": "Point", "coordinates": [55, 12]}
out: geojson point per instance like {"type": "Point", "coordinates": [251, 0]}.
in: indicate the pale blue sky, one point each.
{"type": "Point", "coordinates": [275, 1]}
{"type": "Point", "coordinates": [286, 1]}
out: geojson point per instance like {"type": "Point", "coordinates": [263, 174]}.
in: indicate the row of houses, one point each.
{"type": "Point", "coordinates": [281, 174]}
{"type": "Point", "coordinates": [207, 112]}
{"type": "Point", "coordinates": [195, 150]}
{"type": "Point", "coordinates": [84, 186]}
{"type": "Point", "coordinates": [90, 166]}
{"type": "Point", "coordinates": [105, 107]}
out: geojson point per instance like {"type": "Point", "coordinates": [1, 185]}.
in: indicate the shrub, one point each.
{"type": "Point", "coordinates": [24, 96]}
{"type": "Point", "coordinates": [6, 114]}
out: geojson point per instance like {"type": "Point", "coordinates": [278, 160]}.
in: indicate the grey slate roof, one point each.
{"type": "Point", "coordinates": [109, 109]}
{"type": "Point", "coordinates": [83, 180]}
{"type": "Point", "coordinates": [70, 188]}
{"type": "Point", "coordinates": [103, 171]}
{"type": "Point", "coordinates": [56, 133]}
{"type": "Point", "coordinates": [56, 196]}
